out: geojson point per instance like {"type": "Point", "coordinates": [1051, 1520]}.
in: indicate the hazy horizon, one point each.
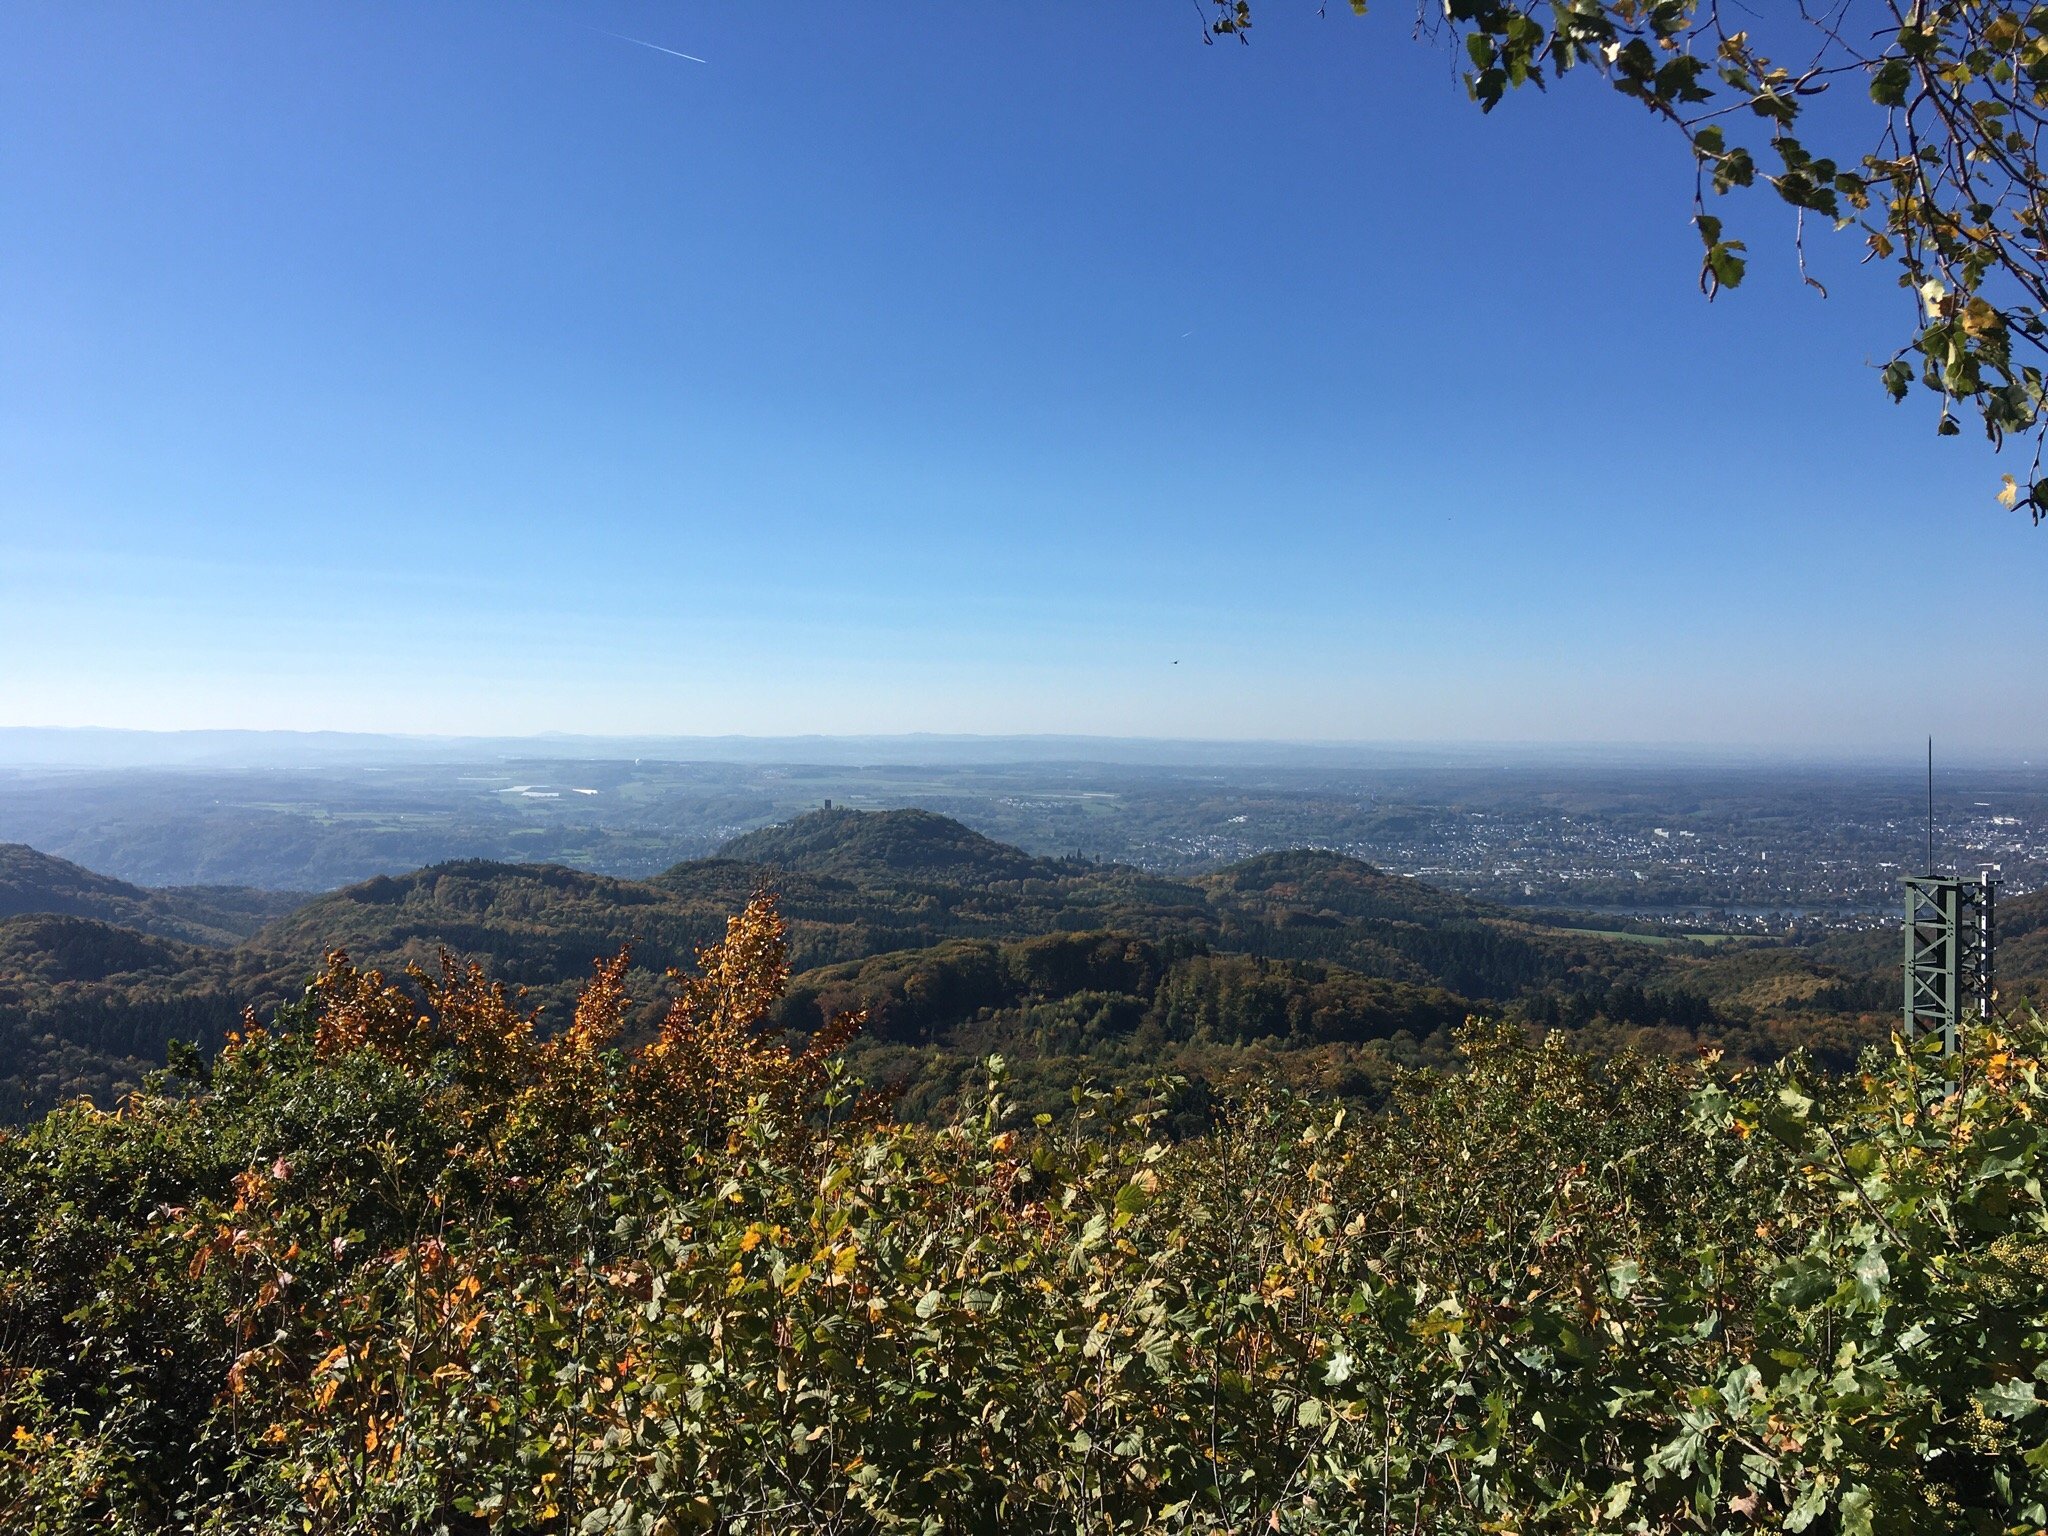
{"type": "Point", "coordinates": [121, 747]}
{"type": "Point", "coordinates": [473, 370]}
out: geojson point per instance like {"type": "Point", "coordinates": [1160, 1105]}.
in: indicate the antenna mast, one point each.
{"type": "Point", "coordinates": [1949, 938]}
{"type": "Point", "coordinates": [1930, 805]}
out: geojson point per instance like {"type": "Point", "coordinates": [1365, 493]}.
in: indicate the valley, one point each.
{"type": "Point", "coordinates": [1306, 967]}
{"type": "Point", "coordinates": [1745, 847]}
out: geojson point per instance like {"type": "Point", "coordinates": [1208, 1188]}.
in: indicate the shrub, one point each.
{"type": "Point", "coordinates": [407, 1263]}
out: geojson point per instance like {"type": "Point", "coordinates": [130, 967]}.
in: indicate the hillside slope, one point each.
{"type": "Point", "coordinates": [88, 1006]}
{"type": "Point", "coordinates": [908, 843]}
{"type": "Point", "coordinates": [32, 882]}
{"type": "Point", "coordinates": [1306, 964]}
{"type": "Point", "coordinates": [2023, 949]}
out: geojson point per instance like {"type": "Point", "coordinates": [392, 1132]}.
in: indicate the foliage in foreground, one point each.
{"type": "Point", "coordinates": [404, 1266]}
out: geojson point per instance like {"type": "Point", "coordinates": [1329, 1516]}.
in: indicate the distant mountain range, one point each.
{"type": "Point", "coordinates": [1307, 966]}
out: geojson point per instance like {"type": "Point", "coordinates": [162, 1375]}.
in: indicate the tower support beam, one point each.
{"type": "Point", "coordinates": [1949, 940]}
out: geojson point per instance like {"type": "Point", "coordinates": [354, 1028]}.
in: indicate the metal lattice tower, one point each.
{"type": "Point", "coordinates": [1950, 938]}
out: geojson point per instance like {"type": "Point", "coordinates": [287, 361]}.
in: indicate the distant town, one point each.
{"type": "Point", "coordinates": [1750, 849]}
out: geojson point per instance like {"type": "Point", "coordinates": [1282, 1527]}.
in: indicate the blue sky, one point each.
{"type": "Point", "coordinates": [462, 368]}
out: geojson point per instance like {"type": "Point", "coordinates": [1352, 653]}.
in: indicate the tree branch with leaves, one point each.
{"type": "Point", "coordinates": [1944, 185]}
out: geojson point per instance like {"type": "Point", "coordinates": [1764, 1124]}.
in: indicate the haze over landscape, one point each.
{"type": "Point", "coordinates": [790, 771]}
{"type": "Point", "coordinates": [932, 370]}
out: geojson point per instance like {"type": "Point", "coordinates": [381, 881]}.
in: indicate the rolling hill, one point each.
{"type": "Point", "coordinates": [32, 882]}
{"type": "Point", "coordinates": [912, 844]}
{"type": "Point", "coordinates": [1306, 965]}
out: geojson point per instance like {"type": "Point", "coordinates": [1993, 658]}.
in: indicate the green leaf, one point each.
{"type": "Point", "coordinates": [1871, 1273]}
{"type": "Point", "coordinates": [1888, 85]}
{"type": "Point", "coordinates": [2013, 1399]}
{"type": "Point", "coordinates": [1855, 1510]}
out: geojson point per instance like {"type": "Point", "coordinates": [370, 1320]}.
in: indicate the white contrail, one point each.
{"type": "Point", "coordinates": [642, 42]}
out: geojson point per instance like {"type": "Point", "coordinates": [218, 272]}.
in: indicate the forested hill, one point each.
{"type": "Point", "coordinates": [857, 884]}
{"type": "Point", "coordinates": [1307, 965]}
{"type": "Point", "coordinates": [1311, 879]}
{"type": "Point", "coordinates": [2023, 940]}
{"type": "Point", "coordinates": [916, 844]}
{"type": "Point", "coordinates": [32, 882]}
